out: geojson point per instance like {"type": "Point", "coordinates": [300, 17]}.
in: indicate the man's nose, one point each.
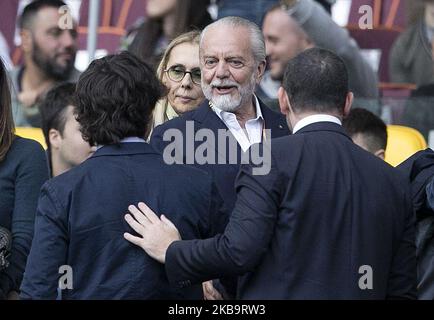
{"type": "Point", "coordinates": [222, 70]}
{"type": "Point", "coordinates": [67, 39]}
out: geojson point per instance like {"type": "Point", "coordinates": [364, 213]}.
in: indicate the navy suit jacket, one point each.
{"type": "Point", "coordinates": [80, 223]}
{"type": "Point", "coordinates": [205, 118]}
{"type": "Point", "coordinates": [326, 215]}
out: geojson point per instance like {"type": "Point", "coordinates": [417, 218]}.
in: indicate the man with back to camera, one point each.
{"type": "Point", "coordinates": [315, 227]}
{"type": "Point", "coordinates": [115, 99]}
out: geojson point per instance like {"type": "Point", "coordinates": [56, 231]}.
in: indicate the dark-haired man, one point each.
{"type": "Point", "coordinates": [49, 50]}
{"type": "Point", "coordinates": [318, 226]}
{"type": "Point", "coordinates": [367, 131]}
{"type": "Point", "coordinates": [66, 147]}
{"type": "Point", "coordinates": [79, 220]}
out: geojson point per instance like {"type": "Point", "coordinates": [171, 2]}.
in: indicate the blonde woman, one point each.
{"type": "Point", "coordinates": [180, 72]}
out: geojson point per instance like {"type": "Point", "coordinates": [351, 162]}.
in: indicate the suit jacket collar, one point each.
{"type": "Point", "coordinates": [323, 126]}
{"type": "Point", "coordinates": [205, 115]}
{"type": "Point", "coordinates": [128, 148]}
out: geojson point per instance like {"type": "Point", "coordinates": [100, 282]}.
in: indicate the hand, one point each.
{"type": "Point", "coordinates": [157, 235]}
{"type": "Point", "coordinates": [209, 292]}
{"type": "Point", "coordinates": [28, 98]}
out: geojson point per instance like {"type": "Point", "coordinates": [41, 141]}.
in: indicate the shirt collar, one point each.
{"type": "Point", "coordinates": [222, 113]}
{"type": "Point", "coordinates": [313, 119]}
{"type": "Point", "coordinates": [126, 140]}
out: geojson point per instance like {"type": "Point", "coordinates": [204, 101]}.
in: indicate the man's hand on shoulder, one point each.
{"type": "Point", "coordinates": [156, 234]}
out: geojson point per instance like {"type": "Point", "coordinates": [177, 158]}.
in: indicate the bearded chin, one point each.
{"type": "Point", "coordinates": [50, 67]}
{"type": "Point", "coordinates": [224, 102]}
{"type": "Point", "coordinates": [227, 102]}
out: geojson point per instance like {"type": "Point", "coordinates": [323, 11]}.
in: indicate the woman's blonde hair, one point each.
{"type": "Point", "coordinates": [159, 114]}
{"type": "Point", "coordinates": [192, 37]}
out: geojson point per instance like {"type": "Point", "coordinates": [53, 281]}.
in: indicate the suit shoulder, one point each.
{"type": "Point", "coordinates": [27, 153]}
{"type": "Point", "coordinates": [67, 181]}
{"type": "Point", "coordinates": [27, 147]}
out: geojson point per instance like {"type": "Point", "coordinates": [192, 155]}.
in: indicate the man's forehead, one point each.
{"type": "Point", "coordinates": [220, 41]}
{"type": "Point", "coordinates": [48, 17]}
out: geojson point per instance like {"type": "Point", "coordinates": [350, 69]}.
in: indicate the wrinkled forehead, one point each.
{"type": "Point", "coordinates": [224, 40]}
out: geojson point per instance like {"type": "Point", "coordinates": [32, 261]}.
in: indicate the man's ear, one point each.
{"type": "Point", "coordinates": [26, 40]}
{"type": "Point", "coordinates": [261, 71]}
{"type": "Point", "coordinates": [348, 103]}
{"type": "Point", "coordinates": [380, 154]}
{"type": "Point", "coordinates": [283, 101]}
{"type": "Point", "coordinates": [55, 138]}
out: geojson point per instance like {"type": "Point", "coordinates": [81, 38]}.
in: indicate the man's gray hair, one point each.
{"type": "Point", "coordinates": [256, 37]}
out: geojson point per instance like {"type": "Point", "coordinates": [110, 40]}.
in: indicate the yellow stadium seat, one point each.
{"type": "Point", "coordinates": [402, 143]}
{"type": "Point", "coordinates": [31, 133]}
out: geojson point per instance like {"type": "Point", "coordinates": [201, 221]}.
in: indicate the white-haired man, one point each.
{"type": "Point", "coordinates": [232, 62]}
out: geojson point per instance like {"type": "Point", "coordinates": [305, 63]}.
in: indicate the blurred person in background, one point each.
{"type": "Point", "coordinates": [66, 147]}
{"type": "Point", "coordinates": [23, 170]}
{"type": "Point", "coordinates": [254, 10]}
{"type": "Point", "coordinates": [179, 71]}
{"type": "Point", "coordinates": [411, 56]}
{"type": "Point", "coordinates": [166, 19]}
{"type": "Point", "coordinates": [49, 56]}
{"type": "Point", "coordinates": [419, 110]}
{"type": "Point", "coordinates": [294, 26]}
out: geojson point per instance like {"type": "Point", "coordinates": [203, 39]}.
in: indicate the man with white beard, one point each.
{"type": "Point", "coordinates": [232, 61]}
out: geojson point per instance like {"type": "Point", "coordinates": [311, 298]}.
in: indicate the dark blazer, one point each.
{"type": "Point", "coordinates": [22, 174]}
{"type": "Point", "coordinates": [205, 118]}
{"type": "Point", "coordinates": [80, 223]}
{"type": "Point", "coordinates": [419, 170]}
{"type": "Point", "coordinates": [304, 231]}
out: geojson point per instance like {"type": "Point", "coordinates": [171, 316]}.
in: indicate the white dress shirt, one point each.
{"type": "Point", "coordinates": [313, 119]}
{"type": "Point", "coordinates": [253, 132]}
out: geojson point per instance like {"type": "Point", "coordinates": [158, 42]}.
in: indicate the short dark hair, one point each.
{"type": "Point", "coordinates": [370, 126]}
{"type": "Point", "coordinates": [316, 80]}
{"type": "Point", "coordinates": [53, 108]}
{"type": "Point", "coordinates": [115, 98]}
{"type": "Point", "coordinates": [30, 11]}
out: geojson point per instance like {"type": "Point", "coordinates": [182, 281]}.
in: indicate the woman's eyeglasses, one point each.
{"type": "Point", "coordinates": [177, 73]}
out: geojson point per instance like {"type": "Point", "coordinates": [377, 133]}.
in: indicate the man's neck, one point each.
{"type": "Point", "coordinates": [246, 112]}
{"type": "Point", "coordinates": [57, 166]}
{"type": "Point", "coordinates": [34, 78]}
